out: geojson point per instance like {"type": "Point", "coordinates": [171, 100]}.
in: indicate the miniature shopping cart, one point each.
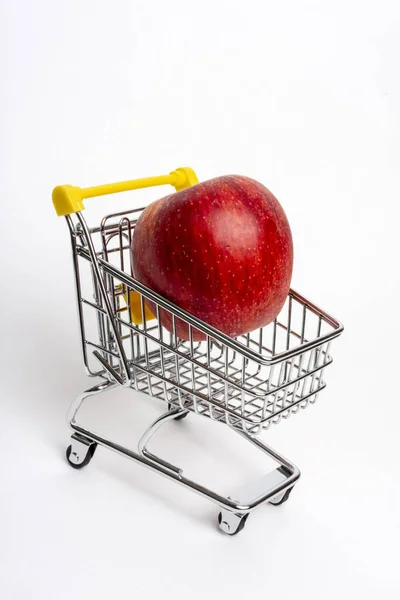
{"type": "Point", "coordinates": [247, 383]}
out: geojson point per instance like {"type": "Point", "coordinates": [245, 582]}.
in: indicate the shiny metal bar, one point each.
{"type": "Point", "coordinates": [289, 322]}
{"type": "Point", "coordinates": [209, 386]}
{"type": "Point", "coordinates": [148, 434]}
{"type": "Point", "coordinates": [161, 350]}
{"type": "Point", "coordinates": [165, 468]}
{"type": "Point", "coordinates": [303, 324]}
{"type": "Point", "coordinates": [103, 349]}
{"type": "Point", "coordinates": [177, 372]}
{"type": "Point", "coordinates": [109, 368]}
{"type": "Point", "coordinates": [146, 348]}
{"type": "Point", "coordinates": [192, 367]}
{"type": "Point", "coordinates": [208, 329]}
{"type": "Point", "coordinates": [78, 293]}
{"type": "Point", "coordinates": [274, 338]}
{"type": "Point", "coordinates": [105, 298]}
{"type": "Point", "coordinates": [223, 378]}
{"type": "Point", "coordinates": [95, 306]}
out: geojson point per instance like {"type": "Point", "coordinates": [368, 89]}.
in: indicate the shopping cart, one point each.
{"type": "Point", "coordinates": [247, 383]}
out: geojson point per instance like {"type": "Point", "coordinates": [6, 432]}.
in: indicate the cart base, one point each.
{"type": "Point", "coordinates": [274, 488]}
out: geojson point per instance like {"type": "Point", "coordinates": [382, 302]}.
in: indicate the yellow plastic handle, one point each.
{"type": "Point", "coordinates": [68, 199]}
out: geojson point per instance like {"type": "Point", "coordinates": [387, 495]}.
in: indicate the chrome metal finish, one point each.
{"type": "Point", "coordinates": [248, 383]}
{"type": "Point", "coordinates": [110, 370]}
{"type": "Point", "coordinates": [251, 496]}
{"type": "Point", "coordinates": [253, 399]}
{"type": "Point", "coordinates": [76, 405]}
{"type": "Point", "coordinates": [108, 306]}
{"type": "Point", "coordinates": [276, 482]}
{"type": "Point", "coordinates": [148, 434]}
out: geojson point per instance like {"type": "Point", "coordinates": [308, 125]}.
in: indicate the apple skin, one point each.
{"type": "Point", "coordinates": [222, 250]}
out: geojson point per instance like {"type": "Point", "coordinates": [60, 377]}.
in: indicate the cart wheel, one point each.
{"type": "Point", "coordinates": [78, 465]}
{"type": "Point", "coordinates": [278, 500]}
{"type": "Point", "coordinates": [231, 523]}
{"type": "Point", "coordinates": [179, 417]}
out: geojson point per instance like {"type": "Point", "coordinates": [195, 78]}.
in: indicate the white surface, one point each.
{"type": "Point", "coordinates": [303, 96]}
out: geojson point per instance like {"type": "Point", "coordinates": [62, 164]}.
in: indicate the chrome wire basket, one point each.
{"type": "Point", "coordinates": [247, 383]}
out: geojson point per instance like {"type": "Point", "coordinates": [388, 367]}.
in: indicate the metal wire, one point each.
{"type": "Point", "coordinates": [249, 382]}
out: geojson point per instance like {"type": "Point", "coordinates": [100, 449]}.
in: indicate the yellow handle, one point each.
{"type": "Point", "coordinates": [68, 199]}
{"type": "Point", "coordinates": [135, 302]}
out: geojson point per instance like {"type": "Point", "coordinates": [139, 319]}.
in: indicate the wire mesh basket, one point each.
{"type": "Point", "coordinates": [247, 382]}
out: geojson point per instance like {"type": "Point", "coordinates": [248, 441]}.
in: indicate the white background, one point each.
{"type": "Point", "coordinates": [303, 96]}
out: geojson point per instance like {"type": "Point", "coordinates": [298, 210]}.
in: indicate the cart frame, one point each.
{"type": "Point", "coordinates": [247, 383]}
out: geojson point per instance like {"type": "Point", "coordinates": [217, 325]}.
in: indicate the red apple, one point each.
{"type": "Point", "coordinates": [222, 250]}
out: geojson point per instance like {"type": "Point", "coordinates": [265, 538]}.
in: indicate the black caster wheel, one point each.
{"type": "Point", "coordinates": [282, 500]}
{"type": "Point", "coordinates": [79, 465]}
{"type": "Point", "coordinates": [230, 523]}
{"type": "Point", "coordinates": [179, 417]}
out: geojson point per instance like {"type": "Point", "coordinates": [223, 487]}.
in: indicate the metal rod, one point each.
{"type": "Point", "coordinates": [208, 329]}
{"type": "Point", "coordinates": [167, 469]}
{"type": "Point", "coordinates": [106, 300]}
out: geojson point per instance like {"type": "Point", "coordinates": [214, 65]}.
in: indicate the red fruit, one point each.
{"type": "Point", "coordinates": [222, 250]}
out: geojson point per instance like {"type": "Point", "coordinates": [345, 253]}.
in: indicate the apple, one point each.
{"type": "Point", "coordinates": [222, 250]}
